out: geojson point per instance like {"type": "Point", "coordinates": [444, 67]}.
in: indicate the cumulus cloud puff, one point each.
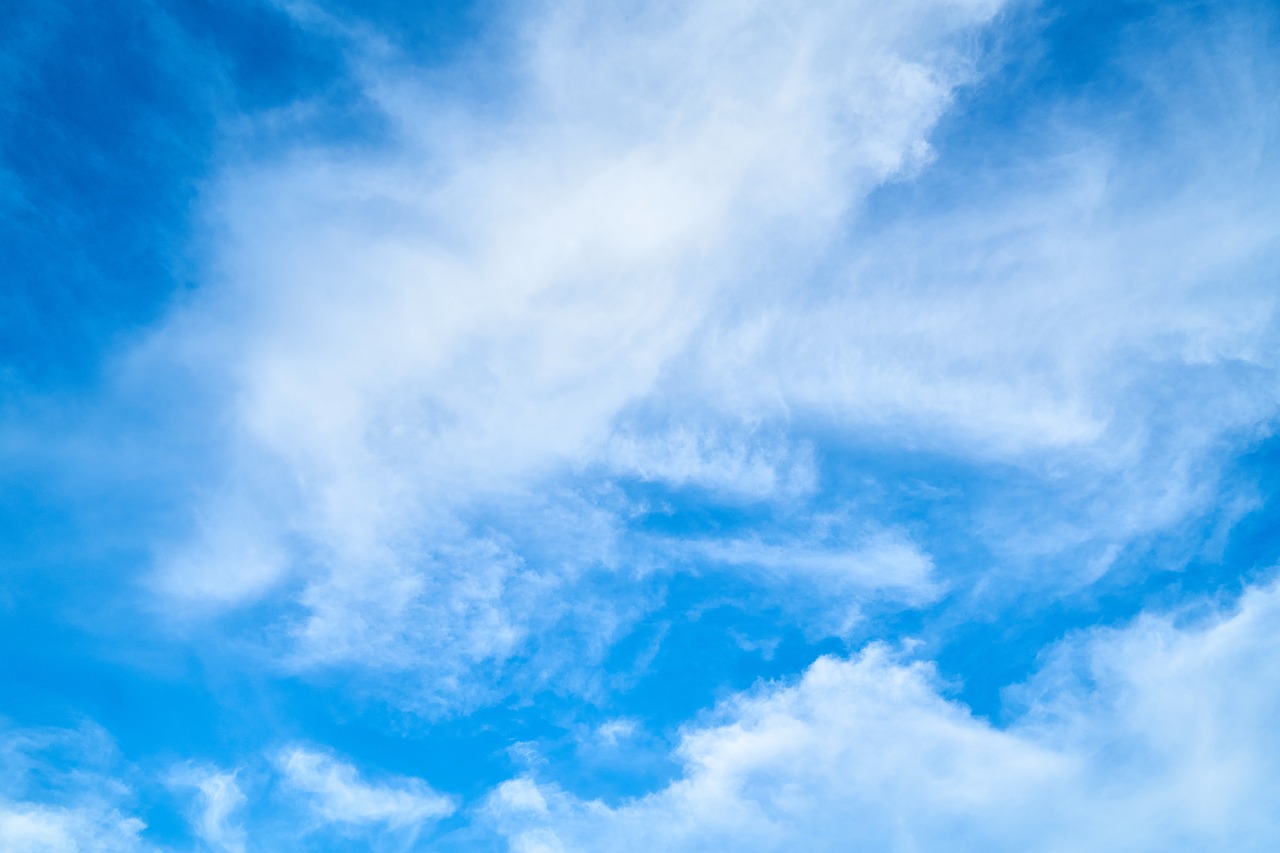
{"type": "Point", "coordinates": [1156, 736]}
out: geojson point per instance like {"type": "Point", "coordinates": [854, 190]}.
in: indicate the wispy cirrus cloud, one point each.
{"type": "Point", "coordinates": [32, 828]}
{"type": "Point", "coordinates": [411, 338]}
{"type": "Point", "coordinates": [338, 797]}
{"type": "Point", "coordinates": [218, 796]}
{"type": "Point", "coordinates": [62, 790]}
{"type": "Point", "coordinates": [506, 313]}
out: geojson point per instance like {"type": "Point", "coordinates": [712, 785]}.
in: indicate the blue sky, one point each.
{"type": "Point", "coordinates": [572, 427]}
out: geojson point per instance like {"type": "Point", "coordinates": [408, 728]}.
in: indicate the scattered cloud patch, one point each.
{"type": "Point", "coordinates": [337, 794]}
{"type": "Point", "coordinates": [31, 828]}
{"type": "Point", "coordinates": [218, 797]}
{"type": "Point", "coordinates": [60, 793]}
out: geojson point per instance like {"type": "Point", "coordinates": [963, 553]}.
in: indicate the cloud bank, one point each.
{"type": "Point", "coordinates": [1151, 737]}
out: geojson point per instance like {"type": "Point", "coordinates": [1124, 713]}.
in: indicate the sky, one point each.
{"type": "Point", "coordinates": [566, 426]}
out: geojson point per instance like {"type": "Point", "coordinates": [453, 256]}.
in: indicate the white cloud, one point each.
{"type": "Point", "coordinates": [219, 797]}
{"type": "Point", "coordinates": [824, 576]}
{"type": "Point", "coordinates": [59, 793]}
{"type": "Point", "coordinates": [884, 559]}
{"type": "Point", "coordinates": [1151, 737]}
{"type": "Point", "coordinates": [1093, 302]}
{"type": "Point", "coordinates": [741, 466]}
{"type": "Point", "coordinates": [33, 828]}
{"type": "Point", "coordinates": [409, 339]}
{"type": "Point", "coordinates": [336, 794]}
{"type": "Point", "coordinates": [427, 356]}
